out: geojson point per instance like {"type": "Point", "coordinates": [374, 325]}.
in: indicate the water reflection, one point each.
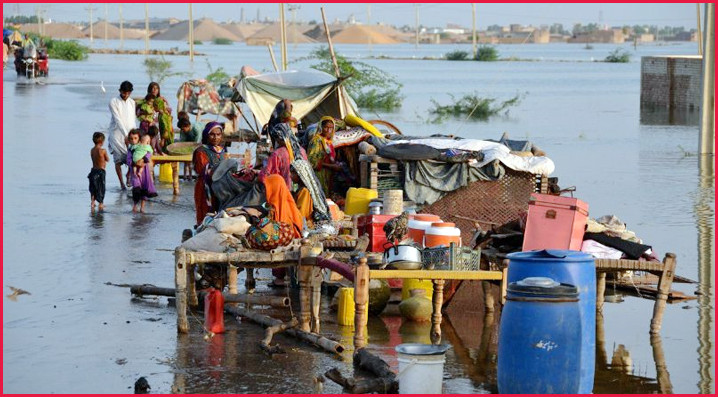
{"type": "Point", "coordinates": [617, 375]}
{"type": "Point", "coordinates": [479, 361]}
{"type": "Point", "coordinates": [704, 214]}
{"type": "Point", "coordinates": [669, 117]}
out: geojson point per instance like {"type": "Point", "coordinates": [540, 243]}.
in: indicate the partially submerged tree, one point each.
{"type": "Point", "coordinates": [371, 87]}
{"type": "Point", "coordinates": [472, 107]}
{"type": "Point", "coordinates": [159, 69]}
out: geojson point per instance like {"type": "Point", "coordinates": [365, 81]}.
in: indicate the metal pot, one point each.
{"type": "Point", "coordinates": [408, 255]}
{"type": "Point", "coordinates": [375, 208]}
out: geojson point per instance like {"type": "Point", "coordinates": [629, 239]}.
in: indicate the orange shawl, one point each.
{"type": "Point", "coordinates": [285, 209]}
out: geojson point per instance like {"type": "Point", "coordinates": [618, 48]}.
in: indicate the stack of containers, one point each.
{"type": "Point", "coordinates": [418, 224]}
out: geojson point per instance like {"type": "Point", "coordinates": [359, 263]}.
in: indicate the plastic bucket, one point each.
{"type": "Point", "coordinates": [539, 338]}
{"type": "Point", "coordinates": [569, 267]}
{"type": "Point", "coordinates": [421, 368]}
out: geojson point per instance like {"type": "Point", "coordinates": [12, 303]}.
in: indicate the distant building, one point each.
{"type": "Point", "coordinates": [614, 36]}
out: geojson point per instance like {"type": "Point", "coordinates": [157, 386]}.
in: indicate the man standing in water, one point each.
{"type": "Point", "coordinates": [123, 120]}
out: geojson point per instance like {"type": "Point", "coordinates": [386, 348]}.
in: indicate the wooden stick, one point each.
{"type": "Point", "coordinates": [269, 334]}
{"type": "Point", "coordinates": [361, 386]}
{"type": "Point", "coordinates": [318, 340]}
{"type": "Point", "coordinates": [369, 362]}
{"type": "Point", "coordinates": [271, 55]}
{"type": "Point", "coordinates": [437, 301]}
{"type": "Point", "coordinates": [181, 290]}
{"type": "Point", "coordinates": [361, 300]}
{"type": "Point", "coordinates": [600, 290]}
{"type": "Point", "coordinates": [144, 289]}
{"type": "Point", "coordinates": [232, 278]}
{"type": "Point", "coordinates": [334, 62]}
{"type": "Point", "coordinates": [664, 287]}
{"type": "Point", "coordinates": [274, 301]}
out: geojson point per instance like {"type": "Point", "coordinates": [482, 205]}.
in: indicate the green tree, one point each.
{"type": "Point", "coordinates": [371, 87]}
{"type": "Point", "coordinates": [159, 69]}
{"type": "Point", "coordinates": [216, 76]}
{"type": "Point", "coordinates": [487, 53]}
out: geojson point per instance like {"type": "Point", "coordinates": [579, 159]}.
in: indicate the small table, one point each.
{"type": "Point", "coordinates": [361, 292]}
{"type": "Point", "coordinates": [174, 161]}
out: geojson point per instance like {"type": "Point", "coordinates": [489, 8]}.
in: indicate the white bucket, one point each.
{"type": "Point", "coordinates": [421, 368]}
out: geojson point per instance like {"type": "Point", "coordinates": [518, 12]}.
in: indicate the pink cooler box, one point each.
{"type": "Point", "coordinates": [555, 222]}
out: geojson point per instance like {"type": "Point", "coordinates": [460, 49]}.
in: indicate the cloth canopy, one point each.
{"type": "Point", "coordinates": [201, 95]}
{"type": "Point", "coordinates": [313, 94]}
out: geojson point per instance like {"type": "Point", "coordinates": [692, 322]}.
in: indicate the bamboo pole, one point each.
{"type": "Point", "coordinates": [707, 137]}
{"type": "Point", "coordinates": [271, 55]}
{"type": "Point", "coordinates": [342, 105]}
{"type": "Point", "coordinates": [191, 34]}
{"type": "Point", "coordinates": [700, 33]}
{"type": "Point", "coordinates": [283, 36]}
{"type": "Point", "coordinates": [361, 300]}
{"type": "Point", "coordinates": [229, 297]}
{"type": "Point", "coordinates": [318, 340]}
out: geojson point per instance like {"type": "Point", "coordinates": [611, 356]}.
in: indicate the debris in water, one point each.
{"type": "Point", "coordinates": [121, 361]}
{"type": "Point", "coordinates": [16, 292]}
{"type": "Point", "coordinates": [142, 386]}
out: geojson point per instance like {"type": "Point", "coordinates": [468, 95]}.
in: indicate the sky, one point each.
{"type": "Point", "coordinates": [399, 14]}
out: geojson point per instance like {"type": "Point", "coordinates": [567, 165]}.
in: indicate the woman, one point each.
{"type": "Point", "coordinates": [155, 110]}
{"type": "Point", "coordinates": [286, 211]}
{"type": "Point", "coordinates": [279, 162]}
{"type": "Point", "coordinates": [322, 155]}
{"type": "Point", "coordinates": [204, 159]}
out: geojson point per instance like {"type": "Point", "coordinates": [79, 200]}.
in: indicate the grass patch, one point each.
{"type": "Point", "coordinates": [487, 53]}
{"type": "Point", "coordinates": [472, 107]}
{"type": "Point", "coordinates": [618, 56]}
{"type": "Point", "coordinates": [457, 55]}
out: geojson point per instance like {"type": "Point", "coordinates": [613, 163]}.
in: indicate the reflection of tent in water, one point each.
{"type": "Point", "coordinates": [313, 94]}
{"type": "Point", "coordinates": [201, 96]}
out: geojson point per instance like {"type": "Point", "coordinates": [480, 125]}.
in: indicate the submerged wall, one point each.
{"type": "Point", "coordinates": [671, 82]}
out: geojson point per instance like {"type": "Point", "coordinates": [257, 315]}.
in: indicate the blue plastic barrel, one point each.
{"type": "Point", "coordinates": [540, 338]}
{"type": "Point", "coordinates": [570, 267]}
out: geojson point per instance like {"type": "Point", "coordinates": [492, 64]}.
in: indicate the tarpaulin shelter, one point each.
{"type": "Point", "coordinates": [313, 94]}
{"type": "Point", "coordinates": [202, 96]}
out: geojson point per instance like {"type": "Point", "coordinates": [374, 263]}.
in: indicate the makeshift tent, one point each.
{"type": "Point", "coordinates": [313, 94]}
{"type": "Point", "coordinates": [200, 95]}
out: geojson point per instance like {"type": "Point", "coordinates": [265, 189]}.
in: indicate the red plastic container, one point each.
{"type": "Point", "coordinates": [555, 222]}
{"type": "Point", "coordinates": [373, 225]}
{"type": "Point", "coordinates": [214, 311]}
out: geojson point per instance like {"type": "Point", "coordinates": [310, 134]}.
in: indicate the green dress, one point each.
{"type": "Point", "coordinates": [321, 151]}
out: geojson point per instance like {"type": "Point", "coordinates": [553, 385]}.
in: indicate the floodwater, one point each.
{"type": "Point", "coordinates": [77, 333]}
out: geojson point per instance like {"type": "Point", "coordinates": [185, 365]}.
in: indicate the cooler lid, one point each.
{"type": "Point", "coordinates": [538, 198]}
{"type": "Point", "coordinates": [551, 255]}
{"type": "Point", "coordinates": [543, 287]}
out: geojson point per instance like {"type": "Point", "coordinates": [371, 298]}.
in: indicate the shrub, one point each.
{"type": "Point", "coordinates": [487, 54]}
{"type": "Point", "coordinates": [222, 41]}
{"type": "Point", "coordinates": [471, 106]}
{"type": "Point", "coordinates": [66, 50]}
{"type": "Point", "coordinates": [618, 56]}
{"type": "Point", "coordinates": [197, 42]}
{"type": "Point", "coordinates": [457, 55]}
{"type": "Point", "coordinates": [159, 69]}
{"type": "Point", "coordinates": [371, 87]}
{"type": "Point", "coordinates": [216, 76]}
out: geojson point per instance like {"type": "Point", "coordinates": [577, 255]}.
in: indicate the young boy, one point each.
{"type": "Point", "coordinates": [97, 173]}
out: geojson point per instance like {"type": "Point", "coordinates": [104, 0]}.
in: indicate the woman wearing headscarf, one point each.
{"type": "Point", "coordinates": [204, 159]}
{"type": "Point", "coordinates": [285, 208]}
{"type": "Point", "coordinates": [322, 155]}
{"type": "Point", "coordinates": [286, 150]}
{"type": "Point", "coordinates": [155, 110]}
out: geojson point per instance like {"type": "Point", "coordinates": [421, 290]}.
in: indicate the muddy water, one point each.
{"type": "Point", "coordinates": [75, 333]}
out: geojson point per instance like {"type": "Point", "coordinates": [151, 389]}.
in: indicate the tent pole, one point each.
{"type": "Point", "coordinates": [342, 105]}
{"type": "Point", "coordinates": [271, 55]}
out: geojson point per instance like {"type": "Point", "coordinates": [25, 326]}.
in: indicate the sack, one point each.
{"type": "Point", "coordinates": [267, 234]}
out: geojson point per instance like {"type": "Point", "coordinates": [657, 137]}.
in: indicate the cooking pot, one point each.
{"type": "Point", "coordinates": [403, 256]}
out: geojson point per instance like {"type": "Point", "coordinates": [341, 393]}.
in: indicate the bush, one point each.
{"type": "Point", "coordinates": [216, 76]}
{"type": "Point", "coordinates": [487, 54]}
{"type": "Point", "coordinates": [371, 87]}
{"type": "Point", "coordinates": [159, 69]}
{"type": "Point", "coordinates": [222, 41]}
{"type": "Point", "coordinates": [457, 55]}
{"type": "Point", "coordinates": [66, 50]}
{"type": "Point", "coordinates": [471, 106]}
{"type": "Point", "coordinates": [618, 56]}
{"type": "Point", "coordinates": [197, 42]}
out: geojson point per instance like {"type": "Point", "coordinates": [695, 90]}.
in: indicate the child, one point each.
{"type": "Point", "coordinates": [139, 151]}
{"type": "Point", "coordinates": [187, 134]}
{"type": "Point", "coordinates": [97, 173]}
{"type": "Point", "coordinates": [141, 181]}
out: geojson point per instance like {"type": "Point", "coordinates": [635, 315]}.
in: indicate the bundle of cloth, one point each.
{"type": "Point", "coordinates": [607, 237]}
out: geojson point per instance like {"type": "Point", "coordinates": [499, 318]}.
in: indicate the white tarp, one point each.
{"type": "Point", "coordinates": [492, 151]}
{"type": "Point", "coordinates": [313, 94]}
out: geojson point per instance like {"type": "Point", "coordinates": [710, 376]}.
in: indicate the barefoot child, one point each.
{"type": "Point", "coordinates": [97, 173]}
{"type": "Point", "coordinates": [141, 182]}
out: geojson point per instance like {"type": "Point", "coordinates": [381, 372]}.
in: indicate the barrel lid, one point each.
{"type": "Point", "coordinates": [542, 286]}
{"type": "Point", "coordinates": [551, 255]}
{"type": "Point", "coordinates": [421, 349]}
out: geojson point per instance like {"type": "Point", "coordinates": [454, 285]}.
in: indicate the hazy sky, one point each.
{"type": "Point", "coordinates": [430, 14]}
